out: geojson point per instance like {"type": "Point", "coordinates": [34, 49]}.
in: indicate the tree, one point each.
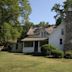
{"type": "Point", "coordinates": [25, 9]}
{"type": "Point", "coordinates": [61, 11]}
{"type": "Point", "coordinates": [26, 27]}
{"type": "Point", "coordinates": [9, 33]}
{"type": "Point", "coordinates": [10, 10]}
{"type": "Point", "coordinates": [44, 24]}
{"type": "Point", "coordinates": [5, 32]}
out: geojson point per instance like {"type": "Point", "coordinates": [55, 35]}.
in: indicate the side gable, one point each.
{"type": "Point", "coordinates": [56, 36]}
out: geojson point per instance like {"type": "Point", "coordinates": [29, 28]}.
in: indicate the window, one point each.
{"type": "Point", "coordinates": [62, 31]}
{"type": "Point", "coordinates": [28, 44]}
{"type": "Point", "coordinates": [45, 34]}
{"type": "Point", "coordinates": [61, 42]}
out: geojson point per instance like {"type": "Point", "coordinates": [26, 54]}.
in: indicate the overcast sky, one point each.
{"type": "Point", "coordinates": [41, 10]}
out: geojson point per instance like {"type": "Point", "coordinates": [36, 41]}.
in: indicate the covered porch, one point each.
{"type": "Point", "coordinates": [33, 45]}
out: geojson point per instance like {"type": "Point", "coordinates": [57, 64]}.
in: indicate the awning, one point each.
{"type": "Point", "coordinates": [34, 39]}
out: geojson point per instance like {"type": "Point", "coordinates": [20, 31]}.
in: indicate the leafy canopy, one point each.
{"type": "Point", "coordinates": [10, 10]}
{"type": "Point", "coordinates": [61, 11]}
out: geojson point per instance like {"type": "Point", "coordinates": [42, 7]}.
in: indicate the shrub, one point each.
{"type": "Point", "coordinates": [68, 54]}
{"type": "Point", "coordinates": [50, 50]}
{"type": "Point", "coordinates": [57, 53]}
{"type": "Point", "coordinates": [46, 49]}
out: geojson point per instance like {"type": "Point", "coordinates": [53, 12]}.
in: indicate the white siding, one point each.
{"type": "Point", "coordinates": [54, 38]}
{"type": "Point", "coordinates": [43, 33]}
{"type": "Point", "coordinates": [39, 48]}
{"type": "Point", "coordinates": [31, 49]}
{"type": "Point", "coordinates": [28, 49]}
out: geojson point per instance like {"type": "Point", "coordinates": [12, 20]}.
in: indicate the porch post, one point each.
{"type": "Point", "coordinates": [33, 44]}
{"type": "Point", "coordinates": [39, 49]}
{"type": "Point", "coordinates": [23, 46]}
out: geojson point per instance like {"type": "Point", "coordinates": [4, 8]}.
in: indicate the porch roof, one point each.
{"type": "Point", "coordinates": [33, 39]}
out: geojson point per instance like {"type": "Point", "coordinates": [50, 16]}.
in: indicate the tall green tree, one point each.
{"type": "Point", "coordinates": [43, 24]}
{"type": "Point", "coordinates": [26, 27]}
{"type": "Point", "coordinates": [5, 34]}
{"type": "Point", "coordinates": [10, 11]}
{"type": "Point", "coordinates": [9, 32]}
{"type": "Point", "coordinates": [61, 11]}
{"type": "Point", "coordinates": [25, 9]}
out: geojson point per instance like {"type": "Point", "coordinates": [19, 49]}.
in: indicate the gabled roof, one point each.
{"type": "Point", "coordinates": [50, 29]}
{"type": "Point", "coordinates": [32, 30]}
{"type": "Point", "coordinates": [58, 27]}
{"type": "Point", "coordinates": [31, 33]}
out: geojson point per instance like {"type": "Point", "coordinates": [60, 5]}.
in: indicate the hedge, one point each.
{"type": "Point", "coordinates": [51, 51]}
{"type": "Point", "coordinates": [68, 54]}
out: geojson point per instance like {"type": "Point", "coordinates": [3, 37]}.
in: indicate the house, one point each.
{"type": "Point", "coordinates": [36, 37]}
{"type": "Point", "coordinates": [56, 38]}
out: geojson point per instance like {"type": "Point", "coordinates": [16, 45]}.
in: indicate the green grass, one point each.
{"type": "Point", "coordinates": [13, 62]}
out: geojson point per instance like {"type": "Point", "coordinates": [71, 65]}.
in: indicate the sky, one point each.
{"type": "Point", "coordinates": [41, 10]}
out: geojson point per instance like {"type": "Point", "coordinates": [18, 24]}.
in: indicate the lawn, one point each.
{"type": "Point", "coordinates": [14, 62]}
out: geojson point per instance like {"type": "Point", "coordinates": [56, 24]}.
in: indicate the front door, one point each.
{"type": "Point", "coordinates": [36, 47]}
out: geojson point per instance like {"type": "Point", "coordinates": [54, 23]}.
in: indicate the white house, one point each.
{"type": "Point", "coordinates": [37, 37]}
{"type": "Point", "coordinates": [56, 38]}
